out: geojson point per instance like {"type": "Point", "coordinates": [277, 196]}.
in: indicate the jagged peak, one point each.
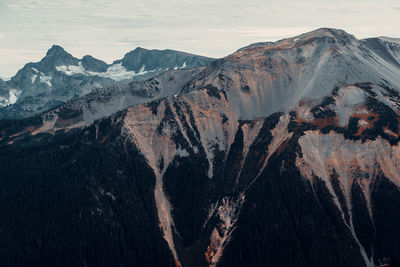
{"type": "Point", "coordinates": [56, 50]}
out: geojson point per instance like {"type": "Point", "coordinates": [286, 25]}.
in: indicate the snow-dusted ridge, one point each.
{"type": "Point", "coordinates": [115, 71]}
{"type": "Point", "coordinates": [60, 77]}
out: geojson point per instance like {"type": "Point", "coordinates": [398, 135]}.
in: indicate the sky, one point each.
{"type": "Point", "coordinates": [108, 29]}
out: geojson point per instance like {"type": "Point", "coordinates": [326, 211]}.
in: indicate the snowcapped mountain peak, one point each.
{"type": "Point", "coordinates": [55, 56]}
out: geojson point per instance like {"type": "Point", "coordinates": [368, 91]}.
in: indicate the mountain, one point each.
{"type": "Point", "coordinates": [143, 60]}
{"type": "Point", "coordinates": [281, 154]}
{"type": "Point", "coordinates": [60, 77]}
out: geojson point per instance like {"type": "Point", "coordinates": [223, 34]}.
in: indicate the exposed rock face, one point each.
{"type": "Point", "coordinates": [282, 154]}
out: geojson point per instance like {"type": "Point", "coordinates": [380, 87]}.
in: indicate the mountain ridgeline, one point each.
{"type": "Point", "coordinates": [281, 154]}
{"type": "Point", "coordinates": [60, 77]}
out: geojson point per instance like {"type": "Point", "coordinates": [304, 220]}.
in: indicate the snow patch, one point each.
{"type": "Point", "coordinates": [116, 72]}
{"type": "Point", "coordinates": [13, 97]}
{"type": "Point", "coordinates": [72, 69]}
{"type": "Point", "coordinates": [142, 70]}
{"type": "Point", "coordinates": [45, 79]}
{"type": "Point", "coordinates": [33, 78]}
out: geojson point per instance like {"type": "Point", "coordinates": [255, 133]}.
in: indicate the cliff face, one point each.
{"type": "Point", "coordinates": [282, 154]}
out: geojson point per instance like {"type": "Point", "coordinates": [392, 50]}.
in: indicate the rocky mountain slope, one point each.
{"type": "Point", "coordinates": [281, 154]}
{"type": "Point", "coordinates": [60, 77]}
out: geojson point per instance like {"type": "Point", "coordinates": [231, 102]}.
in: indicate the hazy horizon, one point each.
{"type": "Point", "coordinates": [109, 29]}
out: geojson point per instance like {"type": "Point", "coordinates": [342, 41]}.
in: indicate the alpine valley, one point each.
{"type": "Point", "coordinates": [283, 153]}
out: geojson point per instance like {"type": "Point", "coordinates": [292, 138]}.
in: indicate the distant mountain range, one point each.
{"type": "Point", "coordinates": [284, 153]}
{"type": "Point", "coordinates": [59, 77]}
